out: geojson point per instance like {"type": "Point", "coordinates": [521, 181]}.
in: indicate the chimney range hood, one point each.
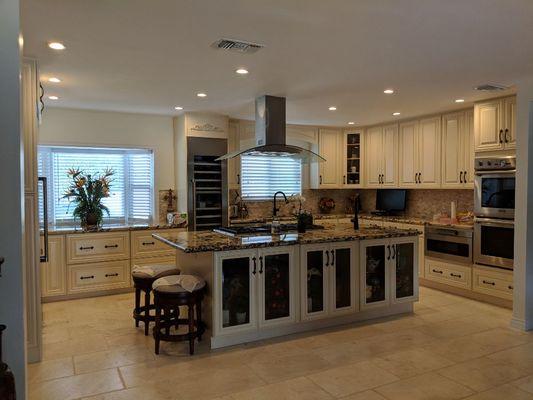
{"type": "Point", "coordinates": [270, 134]}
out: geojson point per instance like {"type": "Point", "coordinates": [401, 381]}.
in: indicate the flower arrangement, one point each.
{"type": "Point", "coordinates": [87, 192]}
{"type": "Point", "coordinates": [303, 217]}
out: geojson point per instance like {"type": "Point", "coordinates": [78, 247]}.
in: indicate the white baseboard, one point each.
{"type": "Point", "coordinates": [519, 323]}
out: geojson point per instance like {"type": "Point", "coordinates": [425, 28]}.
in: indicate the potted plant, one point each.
{"type": "Point", "coordinates": [304, 219]}
{"type": "Point", "coordinates": [87, 192]}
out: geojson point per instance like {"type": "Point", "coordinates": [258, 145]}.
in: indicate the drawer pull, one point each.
{"type": "Point", "coordinates": [111, 275]}
{"type": "Point", "coordinates": [488, 282]}
{"type": "Point", "coordinates": [456, 275]}
{"type": "Point", "coordinates": [437, 271]}
{"type": "Point", "coordinates": [510, 287]}
{"type": "Point", "coordinates": [87, 248]}
{"type": "Point", "coordinates": [87, 277]}
{"type": "Point", "coordinates": [111, 246]}
{"type": "Point", "coordinates": [148, 243]}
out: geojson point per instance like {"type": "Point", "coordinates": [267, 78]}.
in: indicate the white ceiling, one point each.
{"type": "Point", "coordinates": [150, 55]}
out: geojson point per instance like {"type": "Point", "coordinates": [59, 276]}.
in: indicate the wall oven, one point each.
{"type": "Point", "coordinates": [494, 184]}
{"type": "Point", "coordinates": [494, 244]}
{"type": "Point", "coordinates": [449, 243]}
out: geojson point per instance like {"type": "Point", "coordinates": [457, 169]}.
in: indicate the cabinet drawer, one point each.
{"type": "Point", "coordinates": [99, 276]}
{"type": "Point", "coordinates": [448, 273]}
{"type": "Point", "coordinates": [94, 247]}
{"type": "Point", "coordinates": [144, 245]}
{"type": "Point", "coordinates": [493, 283]}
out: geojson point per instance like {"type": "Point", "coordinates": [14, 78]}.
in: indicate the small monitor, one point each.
{"type": "Point", "coordinates": [391, 200]}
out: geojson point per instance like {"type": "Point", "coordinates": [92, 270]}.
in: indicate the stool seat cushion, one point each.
{"type": "Point", "coordinates": [178, 284]}
{"type": "Point", "coordinates": [154, 271]}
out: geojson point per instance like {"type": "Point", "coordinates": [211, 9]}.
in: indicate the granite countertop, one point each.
{"type": "Point", "coordinates": [203, 241]}
{"type": "Point", "coordinates": [60, 230]}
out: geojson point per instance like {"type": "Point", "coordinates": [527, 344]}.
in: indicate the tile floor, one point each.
{"type": "Point", "coordinates": [450, 348]}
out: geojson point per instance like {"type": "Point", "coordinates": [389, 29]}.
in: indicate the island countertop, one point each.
{"type": "Point", "coordinates": [205, 241]}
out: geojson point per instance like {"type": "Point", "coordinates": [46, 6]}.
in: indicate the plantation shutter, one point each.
{"type": "Point", "coordinates": [262, 176]}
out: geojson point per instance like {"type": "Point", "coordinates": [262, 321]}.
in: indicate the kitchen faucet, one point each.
{"type": "Point", "coordinates": [276, 209]}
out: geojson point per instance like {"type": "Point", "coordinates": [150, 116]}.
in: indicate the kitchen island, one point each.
{"type": "Point", "coordinates": [262, 286]}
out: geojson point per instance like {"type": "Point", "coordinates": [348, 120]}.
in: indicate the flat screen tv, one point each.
{"type": "Point", "coordinates": [391, 201]}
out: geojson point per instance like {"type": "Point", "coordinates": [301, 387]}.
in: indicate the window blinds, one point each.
{"type": "Point", "coordinates": [131, 199]}
{"type": "Point", "coordinates": [262, 176]}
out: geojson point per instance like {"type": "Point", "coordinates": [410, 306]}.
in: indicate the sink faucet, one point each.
{"type": "Point", "coordinates": [276, 209]}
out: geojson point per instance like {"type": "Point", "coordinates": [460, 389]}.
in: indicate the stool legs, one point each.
{"type": "Point", "coordinates": [137, 304]}
{"type": "Point", "coordinates": [146, 312]}
{"type": "Point", "coordinates": [157, 328]}
{"type": "Point", "coordinates": [191, 328]}
{"type": "Point", "coordinates": [199, 326]}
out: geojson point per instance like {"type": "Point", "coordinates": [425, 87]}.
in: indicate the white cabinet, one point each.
{"type": "Point", "coordinates": [388, 271]}
{"type": "Point", "coordinates": [457, 150]}
{"type": "Point", "coordinates": [254, 289]}
{"type": "Point", "coordinates": [234, 164]}
{"type": "Point", "coordinates": [495, 124]}
{"type": "Point", "coordinates": [54, 271]}
{"type": "Point", "coordinates": [420, 153]}
{"type": "Point", "coordinates": [382, 156]}
{"type": "Point", "coordinates": [329, 144]}
{"type": "Point", "coordinates": [328, 276]}
{"type": "Point", "coordinates": [352, 174]}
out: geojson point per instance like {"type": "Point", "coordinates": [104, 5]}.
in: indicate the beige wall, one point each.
{"type": "Point", "coordinates": [63, 126]}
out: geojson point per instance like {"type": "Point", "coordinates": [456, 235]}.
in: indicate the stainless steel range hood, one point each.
{"type": "Point", "coordinates": [270, 134]}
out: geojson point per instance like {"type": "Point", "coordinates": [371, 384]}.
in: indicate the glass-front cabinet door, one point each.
{"type": "Point", "coordinates": [404, 272]}
{"type": "Point", "coordinates": [375, 256]}
{"type": "Point", "coordinates": [343, 277]}
{"type": "Point", "coordinates": [235, 291]}
{"type": "Point", "coordinates": [315, 259]}
{"type": "Point", "coordinates": [351, 174]}
{"type": "Point", "coordinates": [277, 291]}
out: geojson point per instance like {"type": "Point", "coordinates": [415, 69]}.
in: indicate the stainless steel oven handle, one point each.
{"type": "Point", "coordinates": [493, 222]}
{"type": "Point", "coordinates": [494, 172]}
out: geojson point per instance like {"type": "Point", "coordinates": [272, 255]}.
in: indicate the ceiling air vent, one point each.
{"type": "Point", "coordinates": [487, 87]}
{"type": "Point", "coordinates": [236, 45]}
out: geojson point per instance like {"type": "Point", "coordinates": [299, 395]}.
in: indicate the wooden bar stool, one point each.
{"type": "Point", "coordinates": [170, 293]}
{"type": "Point", "coordinates": [143, 278]}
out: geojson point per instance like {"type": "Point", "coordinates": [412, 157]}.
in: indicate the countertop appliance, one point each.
{"type": "Point", "coordinates": [390, 201]}
{"type": "Point", "coordinates": [494, 244]}
{"type": "Point", "coordinates": [494, 185]}
{"type": "Point", "coordinates": [449, 243]}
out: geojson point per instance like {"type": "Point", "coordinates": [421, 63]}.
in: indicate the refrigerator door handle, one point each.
{"type": "Point", "coordinates": [45, 255]}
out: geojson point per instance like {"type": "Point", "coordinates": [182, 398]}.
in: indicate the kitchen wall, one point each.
{"type": "Point", "coordinates": [62, 126]}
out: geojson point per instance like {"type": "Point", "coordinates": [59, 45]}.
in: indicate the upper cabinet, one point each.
{"type": "Point", "coordinates": [420, 153]}
{"type": "Point", "coordinates": [458, 150]}
{"type": "Point", "coordinates": [329, 144]}
{"type": "Point", "coordinates": [352, 174]}
{"type": "Point", "coordinates": [382, 156]}
{"type": "Point", "coordinates": [495, 124]}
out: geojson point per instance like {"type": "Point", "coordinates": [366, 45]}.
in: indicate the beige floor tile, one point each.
{"type": "Point", "coordinates": [430, 386]}
{"type": "Point", "coordinates": [520, 356]}
{"type": "Point", "coordinates": [73, 347]}
{"type": "Point", "coordinates": [366, 395]}
{"type": "Point", "coordinates": [294, 389]}
{"type": "Point", "coordinates": [353, 378]}
{"type": "Point", "coordinates": [74, 387]}
{"type": "Point", "coordinates": [406, 364]}
{"type": "Point", "coordinates": [52, 369]}
{"type": "Point", "coordinates": [482, 373]}
{"type": "Point", "coordinates": [131, 339]}
{"type": "Point", "coordinates": [112, 359]}
{"type": "Point", "coordinates": [397, 323]}
{"type": "Point", "coordinates": [149, 392]}
{"type": "Point", "coordinates": [525, 383]}
{"type": "Point", "coordinates": [504, 392]}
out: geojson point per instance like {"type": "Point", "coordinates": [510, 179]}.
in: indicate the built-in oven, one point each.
{"type": "Point", "coordinates": [449, 243]}
{"type": "Point", "coordinates": [494, 244]}
{"type": "Point", "coordinates": [494, 185]}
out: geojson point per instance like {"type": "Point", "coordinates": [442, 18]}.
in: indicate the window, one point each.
{"type": "Point", "coordinates": [131, 197]}
{"type": "Point", "coordinates": [263, 176]}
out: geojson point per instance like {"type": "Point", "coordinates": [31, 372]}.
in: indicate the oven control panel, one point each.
{"type": "Point", "coordinates": [495, 163]}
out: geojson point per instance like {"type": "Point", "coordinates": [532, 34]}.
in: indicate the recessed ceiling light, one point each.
{"type": "Point", "coordinates": [332, 108]}
{"type": "Point", "coordinates": [56, 45]}
{"type": "Point", "coordinates": [178, 108]}
{"type": "Point", "coordinates": [459, 100]}
{"type": "Point", "coordinates": [201, 95]}
{"type": "Point", "coordinates": [53, 79]}
{"type": "Point", "coordinates": [396, 113]}
{"type": "Point", "coordinates": [388, 91]}
{"type": "Point", "coordinates": [351, 123]}
{"type": "Point", "coordinates": [242, 71]}
{"type": "Point", "coordinates": [53, 97]}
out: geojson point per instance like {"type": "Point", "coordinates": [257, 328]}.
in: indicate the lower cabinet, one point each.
{"type": "Point", "coordinates": [96, 277]}
{"type": "Point", "coordinates": [54, 271]}
{"type": "Point", "coordinates": [328, 279]}
{"type": "Point", "coordinates": [388, 271]}
{"type": "Point", "coordinates": [458, 275]}
{"type": "Point", "coordinates": [255, 289]}
{"type": "Point", "coordinates": [494, 282]}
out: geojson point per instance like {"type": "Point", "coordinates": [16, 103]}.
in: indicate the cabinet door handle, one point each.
{"type": "Point", "coordinates": [111, 275]}
{"type": "Point", "coordinates": [261, 264]}
{"type": "Point", "coordinates": [327, 257]}
{"type": "Point", "coordinates": [344, 179]}
{"type": "Point", "coordinates": [388, 254]}
{"type": "Point", "coordinates": [488, 282]}
{"type": "Point", "coordinates": [148, 243]}
{"type": "Point", "coordinates": [320, 179]}
{"type": "Point", "coordinates": [455, 275]}
{"type": "Point", "coordinates": [505, 136]}
{"type": "Point", "coordinates": [461, 177]}
{"type": "Point", "coordinates": [111, 246]}
{"type": "Point", "coordinates": [510, 287]}
{"type": "Point", "coordinates": [87, 248]}
{"type": "Point", "coordinates": [501, 136]}
{"type": "Point", "coordinates": [464, 177]}
{"type": "Point", "coordinates": [437, 271]}
{"type": "Point", "coordinates": [255, 266]}
{"type": "Point", "coordinates": [393, 251]}
{"type": "Point", "coordinates": [238, 179]}
{"type": "Point", "coordinates": [87, 277]}
{"type": "Point", "coordinates": [332, 257]}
